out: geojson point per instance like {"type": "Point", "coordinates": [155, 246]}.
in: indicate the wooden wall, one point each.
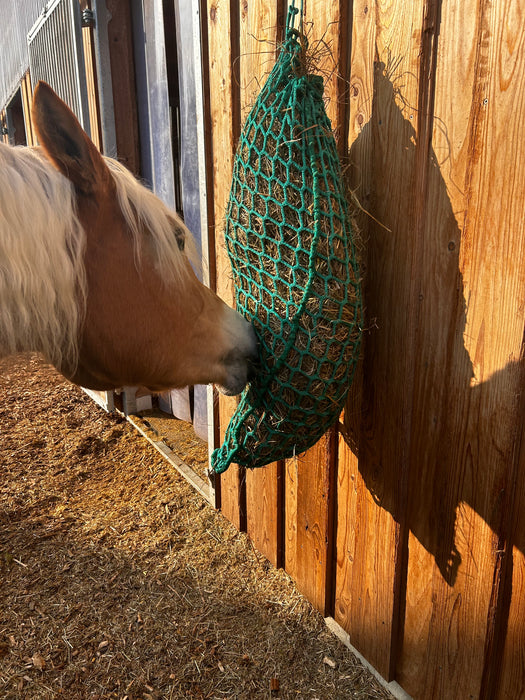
{"type": "Point", "coordinates": [406, 522]}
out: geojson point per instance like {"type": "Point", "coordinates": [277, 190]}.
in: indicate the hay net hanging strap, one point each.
{"type": "Point", "coordinates": [294, 269]}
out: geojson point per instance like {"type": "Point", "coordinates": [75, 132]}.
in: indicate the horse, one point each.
{"type": "Point", "coordinates": [96, 271]}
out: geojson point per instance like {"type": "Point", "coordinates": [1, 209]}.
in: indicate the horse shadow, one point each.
{"type": "Point", "coordinates": [432, 435]}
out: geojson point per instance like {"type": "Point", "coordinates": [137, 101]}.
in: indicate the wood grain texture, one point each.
{"type": "Point", "coordinates": [223, 105]}
{"type": "Point", "coordinates": [365, 566]}
{"type": "Point", "coordinates": [353, 501]}
{"type": "Point", "coordinates": [264, 510]}
{"type": "Point", "coordinates": [467, 380]}
{"type": "Point", "coordinates": [309, 499]}
{"type": "Point", "coordinates": [361, 81]}
{"type": "Point", "coordinates": [91, 79]}
{"type": "Point", "coordinates": [326, 27]}
{"type": "Point", "coordinates": [512, 680]}
{"type": "Point", "coordinates": [505, 677]}
{"type": "Point", "coordinates": [258, 36]}
{"type": "Point", "coordinates": [383, 161]}
{"type": "Point", "coordinates": [233, 481]}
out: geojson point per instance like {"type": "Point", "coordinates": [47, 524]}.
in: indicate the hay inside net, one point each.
{"type": "Point", "coordinates": [290, 245]}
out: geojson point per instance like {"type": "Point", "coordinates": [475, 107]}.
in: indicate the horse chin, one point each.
{"type": "Point", "coordinates": [240, 375]}
{"type": "Point", "coordinates": [229, 391]}
{"type": "Point", "coordinates": [234, 385]}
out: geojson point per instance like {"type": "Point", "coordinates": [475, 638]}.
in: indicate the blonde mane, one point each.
{"type": "Point", "coordinates": [42, 278]}
{"type": "Point", "coordinates": [42, 241]}
{"type": "Point", "coordinates": [154, 226]}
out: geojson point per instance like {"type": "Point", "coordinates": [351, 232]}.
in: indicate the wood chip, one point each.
{"type": "Point", "coordinates": [38, 661]}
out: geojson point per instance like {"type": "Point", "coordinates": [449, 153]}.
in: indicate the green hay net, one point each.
{"type": "Point", "coordinates": [294, 267]}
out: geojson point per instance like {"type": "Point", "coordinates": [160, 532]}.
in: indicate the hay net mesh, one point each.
{"type": "Point", "coordinates": [289, 241]}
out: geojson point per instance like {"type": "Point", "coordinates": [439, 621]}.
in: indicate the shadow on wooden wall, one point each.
{"type": "Point", "coordinates": [431, 439]}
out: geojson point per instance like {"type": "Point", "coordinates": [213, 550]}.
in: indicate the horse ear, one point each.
{"type": "Point", "coordinates": [65, 142]}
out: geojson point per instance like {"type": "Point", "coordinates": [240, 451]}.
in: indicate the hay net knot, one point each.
{"type": "Point", "coordinates": [296, 279]}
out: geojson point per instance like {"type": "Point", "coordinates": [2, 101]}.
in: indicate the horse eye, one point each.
{"type": "Point", "coordinates": [180, 237]}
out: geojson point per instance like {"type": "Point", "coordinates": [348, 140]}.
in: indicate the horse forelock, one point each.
{"type": "Point", "coordinates": [154, 227]}
{"type": "Point", "coordinates": [42, 276]}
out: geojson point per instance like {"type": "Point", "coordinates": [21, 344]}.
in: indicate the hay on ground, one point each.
{"type": "Point", "coordinates": [120, 582]}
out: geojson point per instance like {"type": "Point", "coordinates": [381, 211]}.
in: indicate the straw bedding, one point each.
{"type": "Point", "coordinates": [119, 582]}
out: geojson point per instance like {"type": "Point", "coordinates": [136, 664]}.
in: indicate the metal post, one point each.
{"type": "Point", "coordinates": [105, 83]}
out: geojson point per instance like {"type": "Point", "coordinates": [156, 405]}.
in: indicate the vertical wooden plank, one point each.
{"type": "Point", "coordinates": [259, 29]}
{"type": "Point", "coordinates": [467, 379]}
{"type": "Point", "coordinates": [264, 510]}
{"type": "Point", "coordinates": [233, 481]}
{"type": "Point", "coordinates": [258, 32]}
{"type": "Point", "coordinates": [351, 491]}
{"type": "Point", "coordinates": [210, 272]}
{"type": "Point", "coordinates": [326, 27]}
{"type": "Point", "coordinates": [309, 499]}
{"type": "Point", "coordinates": [223, 51]}
{"type": "Point", "coordinates": [353, 500]}
{"type": "Point", "coordinates": [512, 685]}
{"type": "Point", "coordinates": [91, 79]}
{"type": "Point", "coordinates": [224, 124]}
{"type": "Point", "coordinates": [383, 128]}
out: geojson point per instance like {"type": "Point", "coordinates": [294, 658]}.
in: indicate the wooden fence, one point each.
{"type": "Point", "coordinates": [406, 523]}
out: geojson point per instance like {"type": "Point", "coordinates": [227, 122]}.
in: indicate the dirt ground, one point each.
{"type": "Point", "coordinates": [119, 582]}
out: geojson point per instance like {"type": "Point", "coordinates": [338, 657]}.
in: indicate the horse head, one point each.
{"type": "Point", "coordinates": [144, 316]}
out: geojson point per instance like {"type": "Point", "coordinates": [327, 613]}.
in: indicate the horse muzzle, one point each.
{"type": "Point", "coordinates": [242, 361]}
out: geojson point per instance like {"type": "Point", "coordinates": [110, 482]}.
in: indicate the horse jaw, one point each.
{"type": "Point", "coordinates": [213, 344]}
